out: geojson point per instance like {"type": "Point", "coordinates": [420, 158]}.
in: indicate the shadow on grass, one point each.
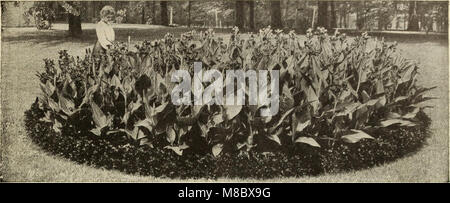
{"type": "Point", "coordinates": [50, 38]}
{"type": "Point", "coordinates": [410, 38]}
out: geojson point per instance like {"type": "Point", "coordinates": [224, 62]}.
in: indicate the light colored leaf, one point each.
{"type": "Point", "coordinates": [161, 107]}
{"type": "Point", "coordinates": [301, 126]}
{"type": "Point", "coordinates": [138, 134]}
{"type": "Point", "coordinates": [412, 114]}
{"type": "Point", "coordinates": [289, 99]}
{"type": "Point", "coordinates": [217, 149]}
{"type": "Point", "coordinates": [53, 105]}
{"type": "Point", "coordinates": [307, 140]}
{"type": "Point", "coordinates": [204, 129]}
{"type": "Point", "coordinates": [400, 98]}
{"type": "Point", "coordinates": [115, 82]}
{"type": "Point", "coordinates": [66, 105]}
{"type": "Point", "coordinates": [365, 96]}
{"type": "Point", "coordinates": [232, 111]}
{"type": "Point", "coordinates": [98, 116]}
{"type": "Point", "coordinates": [177, 150]}
{"type": "Point", "coordinates": [274, 136]}
{"type": "Point", "coordinates": [48, 88]}
{"type": "Point", "coordinates": [217, 119]}
{"type": "Point", "coordinates": [381, 102]}
{"type": "Point", "coordinates": [393, 115]}
{"type": "Point", "coordinates": [372, 102]}
{"type": "Point", "coordinates": [283, 117]}
{"type": "Point", "coordinates": [312, 98]}
{"type": "Point", "coordinates": [171, 135]}
{"type": "Point", "coordinates": [402, 122]}
{"type": "Point", "coordinates": [146, 141]}
{"type": "Point", "coordinates": [57, 126]}
{"type": "Point", "coordinates": [146, 123]}
{"type": "Point", "coordinates": [356, 136]}
{"type": "Point", "coordinates": [88, 94]}
{"type": "Point", "coordinates": [379, 87]}
{"type": "Point", "coordinates": [96, 131]}
{"type": "Point", "coordinates": [183, 146]}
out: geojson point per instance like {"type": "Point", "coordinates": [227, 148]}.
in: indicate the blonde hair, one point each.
{"type": "Point", "coordinates": [107, 10]}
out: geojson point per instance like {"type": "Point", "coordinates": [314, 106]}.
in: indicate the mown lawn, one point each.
{"type": "Point", "coordinates": [21, 160]}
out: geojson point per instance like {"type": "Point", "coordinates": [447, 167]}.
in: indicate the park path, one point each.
{"type": "Point", "coordinates": [23, 161]}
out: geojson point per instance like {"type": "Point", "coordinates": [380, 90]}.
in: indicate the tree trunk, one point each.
{"type": "Point", "coordinates": [380, 20]}
{"type": "Point", "coordinates": [94, 7]}
{"type": "Point", "coordinates": [189, 13]}
{"type": "Point", "coordinates": [143, 12]}
{"type": "Point", "coordinates": [333, 23]}
{"type": "Point", "coordinates": [322, 14]}
{"type": "Point", "coordinates": [359, 18]}
{"type": "Point", "coordinates": [275, 15]}
{"type": "Point", "coordinates": [251, 5]}
{"type": "Point", "coordinates": [153, 12]}
{"type": "Point", "coordinates": [341, 15]}
{"type": "Point", "coordinates": [240, 18]}
{"type": "Point", "coordinates": [413, 21]}
{"type": "Point", "coordinates": [397, 22]}
{"type": "Point", "coordinates": [74, 25]}
{"type": "Point", "coordinates": [164, 16]}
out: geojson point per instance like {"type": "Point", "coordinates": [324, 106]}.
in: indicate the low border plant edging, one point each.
{"type": "Point", "coordinates": [389, 145]}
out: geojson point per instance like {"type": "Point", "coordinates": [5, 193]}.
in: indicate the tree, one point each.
{"type": "Point", "coordinates": [73, 17]}
{"type": "Point", "coordinates": [251, 5]}
{"type": "Point", "coordinates": [360, 17]}
{"type": "Point", "coordinates": [275, 15]}
{"type": "Point", "coordinates": [189, 13]}
{"type": "Point", "coordinates": [333, 22]}
{"type": "Point", "coordinates": [143, 5]}
{"type": "Point", "coordinates": [164, 16]}
{"type": "Point", "coordinates": [240, 18]}
{"type": "Point", "coordinates": [153, 12]}
{"type": "Point", "coordinates": [413, 21]}
{"type": "Point", "coordinates": [322, 14]}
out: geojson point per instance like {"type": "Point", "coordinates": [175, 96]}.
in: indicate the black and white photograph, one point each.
{"type": "Point", "coordinates": [224, 91]}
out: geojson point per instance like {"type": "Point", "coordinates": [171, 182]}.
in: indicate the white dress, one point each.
{"type": "Point", "coordinates": [105, 34]}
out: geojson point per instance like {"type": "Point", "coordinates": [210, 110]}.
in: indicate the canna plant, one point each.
{"type": "Point", "coordinates": [332, 90]}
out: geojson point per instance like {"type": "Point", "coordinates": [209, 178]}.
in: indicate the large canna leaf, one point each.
{"type": "Point", "coordinates": [171, 135]}
{"type": "Point", "coordinates": [282, 119]}
{"type": "Point", "coordinates": [88, 94]}
{"type": "Point", "coordinates": [312, 98]}
{"type": "Point", "coordinates": [302, 125]}
{"type": "Point", "coordinates": [275, 136]}
{"type": "Point", "coordinates": [379, 87]}
{"type": "Point", "coordinates": [53, 105]}
{"type": "Point", "coordinates": [138, 134]}
{"type": "Point", "coordinates": [394, 121]}
{"type": "Point", "coordinates": [411, 114]}
{"type": "Point", "coordinates": [47, 89]}
{"type": "Point", "coordinates": [217, 149]}
{"type": "Point", "coordinates": [66, 105]}
{"type": "Point", "coordinates": [146, 123]}
{"type": "Point", "coordinates": [57, 126]}
{"type": "Point", "coordinates": [307, 140]}
{"type": "Point", "coordinates": [176, 149]}
{"type": "Point", "coordinates": [232, 111]}
{"type": "Point", "coordinates": [115, 82]}
{"type": "Point", "coordinates": [98, 116]}
{"type": "Point", "coordinates": [355, 136]}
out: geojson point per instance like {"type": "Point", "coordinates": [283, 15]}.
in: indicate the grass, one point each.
{"type": "Point", "coordinates": [22, 161]}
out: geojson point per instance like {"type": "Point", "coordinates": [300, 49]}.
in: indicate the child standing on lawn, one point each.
{"type": "Point", "coordinates": [104, 30]}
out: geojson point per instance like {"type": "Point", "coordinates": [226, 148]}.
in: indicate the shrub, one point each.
{"type": "Point", "coordinates": [43, 15]}
{"type": "Point", "coordinates": [336, 95]}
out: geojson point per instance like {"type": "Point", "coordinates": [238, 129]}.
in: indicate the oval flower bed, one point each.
{"type": "Point", "coordinates": [344, 105]}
